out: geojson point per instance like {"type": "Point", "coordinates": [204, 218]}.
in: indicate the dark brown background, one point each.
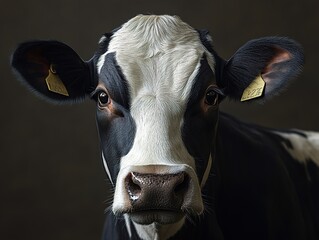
{"type": "Point", "coordinates": [52, 181]}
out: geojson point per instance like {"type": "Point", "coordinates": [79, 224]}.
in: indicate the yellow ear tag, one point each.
{"type": "Point", "coordinates": [54, 83]}
{"type": "Point", "coordinates": [254, 90]}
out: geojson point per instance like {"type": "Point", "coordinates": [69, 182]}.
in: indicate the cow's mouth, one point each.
{"type": "Point", "coordinates": [146, 217]}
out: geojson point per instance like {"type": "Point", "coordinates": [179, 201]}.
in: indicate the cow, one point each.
{"type": "Point", "coordinates": [180, 168]}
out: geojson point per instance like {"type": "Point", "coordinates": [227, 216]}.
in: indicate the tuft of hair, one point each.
{"type": "Point", "coordinates": [150, 35]}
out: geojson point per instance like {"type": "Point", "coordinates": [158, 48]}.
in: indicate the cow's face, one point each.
{"type": "Point", "coordinates": [157, 107]}
{"type": "Point", "coordinates": [157, 84]}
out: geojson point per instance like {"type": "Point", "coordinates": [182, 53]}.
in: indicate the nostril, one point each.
{"type": "Point", "coordinates": [182, 185]}
{"type": "Point", "coordinates": [133, 189]}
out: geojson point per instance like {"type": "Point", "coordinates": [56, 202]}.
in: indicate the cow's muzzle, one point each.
{"type": "Point", "coordinates": [157, 197]}
{"type": "Point", "coordinates": [161, 194]}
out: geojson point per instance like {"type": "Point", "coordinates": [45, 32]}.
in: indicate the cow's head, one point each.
{"type": "Point", "coordinates": [157, 83]}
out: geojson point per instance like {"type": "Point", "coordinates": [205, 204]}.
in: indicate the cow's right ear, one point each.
{"type": "Point", "coordinates": [54, 71]}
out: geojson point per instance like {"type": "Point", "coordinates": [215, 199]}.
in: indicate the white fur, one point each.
{"type": "Point", "coordinates": [148, 36]}
{"type": "Point", "coordinates": [160, 58]}
{"type": "Point", "coordinates": [107, 170]}
{"type": "Point", "coordinates": [207, 172]}
{"type": "Point", "coordinates": [128, 225]}
{"type": "Point", "coordinates": [304, 149]}
{"type": "Point", "coordinates": [102, 39]}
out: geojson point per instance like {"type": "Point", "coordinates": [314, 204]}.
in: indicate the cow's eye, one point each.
{"type": "Point", "coordinates": [103, 98]}
{"type": "Point", "coordinates": [211, 98]}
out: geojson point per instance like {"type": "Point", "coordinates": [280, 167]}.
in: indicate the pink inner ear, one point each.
{"type": "Point", "coordinates": [40, 67]}
{"type": "Point", "coordinates": [281, 55]}
{"type": "Point", "coordinates": [275, 68]}
{"type": "Point", "coordinates": [42, 63]}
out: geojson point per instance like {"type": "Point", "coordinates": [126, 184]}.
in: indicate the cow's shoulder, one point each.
{"type": "Point", "coordinates": [270, 173]}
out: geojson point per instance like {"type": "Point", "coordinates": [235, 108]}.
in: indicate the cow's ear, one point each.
{"type": "Point", "coordinates": [270, 60]}
{"type": "Point", "coordinates": [54, 70]}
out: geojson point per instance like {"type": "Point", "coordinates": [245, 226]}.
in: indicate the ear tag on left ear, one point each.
{"type": "Point", "coordinates": [54, 83]}
{"type": "Point", "coordinates": [254, 90]}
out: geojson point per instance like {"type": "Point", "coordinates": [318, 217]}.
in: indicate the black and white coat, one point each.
{"type": "Point", "coordinates": [179, 168]}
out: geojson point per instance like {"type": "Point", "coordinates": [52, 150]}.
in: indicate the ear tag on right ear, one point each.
{"type": "Point", "coordinates": [254, 90]}
{"type": "Point", "coordinates": [54, 83]}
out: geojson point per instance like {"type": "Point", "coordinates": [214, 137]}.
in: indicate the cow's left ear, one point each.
{"type": "Point", "coordinates": [272, 60]}
{"type": "Point", "coordinates": [54, 71]}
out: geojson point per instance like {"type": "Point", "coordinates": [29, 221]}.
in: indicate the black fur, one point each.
{"type": "Point", "coordinates": [31, 62]}
{"type": "Point", "coordinates": [219, 62]}
{"type": "Point", "coordinates": [116, 133]}
{"type": "Point", "coordinates": [199, 129]}
{"type": "Point", "coordinates": [113, 78]}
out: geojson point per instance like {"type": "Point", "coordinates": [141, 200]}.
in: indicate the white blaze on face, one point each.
{"type": "Point", "coordinates": [160, 58]}
{"type": "Point", "coordinates": [158, 105]}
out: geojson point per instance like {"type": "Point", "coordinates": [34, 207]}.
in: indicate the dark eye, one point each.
{"type": "Point", "coordinates": [103, 98]}
{"type": "Point", "coordinates": [211, 97]}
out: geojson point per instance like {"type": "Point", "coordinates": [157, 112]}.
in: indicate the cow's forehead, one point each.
{"type": "Point", "coordinates": [159, 52]}
{"type": "Point", "coordinates": [148, 36]}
